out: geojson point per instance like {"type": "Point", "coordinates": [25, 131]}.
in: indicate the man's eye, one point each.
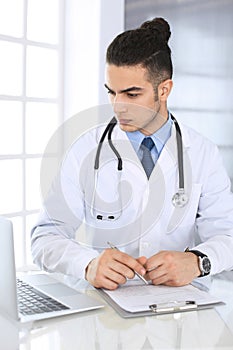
{"type": "Point", "coordinates": [132, 95]}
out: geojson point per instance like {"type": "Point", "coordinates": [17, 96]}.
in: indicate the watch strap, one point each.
{"type": "Point", "coordinates": [197, 252]}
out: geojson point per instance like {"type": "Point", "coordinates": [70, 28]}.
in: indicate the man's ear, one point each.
{"type": "Point", "coordinates": [164, 89]}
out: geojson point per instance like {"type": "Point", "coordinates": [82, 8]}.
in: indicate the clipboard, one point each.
{"type": "Point", "coordinates": [161, 308]}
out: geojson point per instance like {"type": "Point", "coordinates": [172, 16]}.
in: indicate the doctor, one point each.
{"type": "Point", "coordinates": [144, 158]}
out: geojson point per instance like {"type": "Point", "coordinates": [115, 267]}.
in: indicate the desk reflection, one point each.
{"type": "Point", "coordinates": [105, 330]}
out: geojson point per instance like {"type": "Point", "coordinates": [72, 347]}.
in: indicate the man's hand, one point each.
{"type": "Point", "coordinates": [172, 268]}
{"type": "Point", "coordinates": [112, 267]}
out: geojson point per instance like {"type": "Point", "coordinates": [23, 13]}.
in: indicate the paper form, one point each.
{"type": "Point", "coordinates": [135, 296]}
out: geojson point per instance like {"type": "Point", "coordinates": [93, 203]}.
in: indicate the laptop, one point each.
{"type": "Point", "coordinates": [38, 296]}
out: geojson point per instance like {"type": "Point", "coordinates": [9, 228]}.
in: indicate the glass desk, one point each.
{"type": "Point", "coordinates": [104, 329]}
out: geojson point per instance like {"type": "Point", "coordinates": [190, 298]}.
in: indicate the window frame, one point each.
{"type": "Point", "coordinates": [25, 259]}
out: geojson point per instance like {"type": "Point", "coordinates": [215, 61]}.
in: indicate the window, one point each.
{"type": "Point", "coordinates": [203, 69]}
{"type": "Point", "coordinates": [31, 107]}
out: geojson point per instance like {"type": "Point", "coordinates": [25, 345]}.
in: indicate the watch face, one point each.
{"type": "Point", "coordinates": [206, 265]}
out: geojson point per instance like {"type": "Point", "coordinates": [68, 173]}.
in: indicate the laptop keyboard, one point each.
{"type": "Point", "coordinates": [31, 301]}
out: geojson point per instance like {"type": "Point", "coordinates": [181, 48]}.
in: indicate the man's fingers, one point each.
{"type": "Point", "coordinates": [112, 267]}
{"type": "Point", "coordinates": [121, 269]}
{"type": "Point", "coordinates": [129, 261]}
{"type": "Point", "coordinates": [172, 268]}
{"type": "Point", "coordinates": [115, 276]}
{"type": "Point", "coordinates": [156, 273]}
{"type": "Point", "coordinates": [142, 260]}
{"type": "Point", "coordinates": [107, 283]}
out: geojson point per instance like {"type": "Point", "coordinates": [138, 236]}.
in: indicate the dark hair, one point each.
{"type": "Point", "coordinates": [146, 46]}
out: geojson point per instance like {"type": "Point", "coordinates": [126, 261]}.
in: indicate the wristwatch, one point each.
{"type": "Point", "coordinates": [204, 262]}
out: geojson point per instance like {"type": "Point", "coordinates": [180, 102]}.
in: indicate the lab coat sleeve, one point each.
{"type": "Point", "coordinates": [53, 243]}
{"type": "Point", "coordinates": [215, 215]}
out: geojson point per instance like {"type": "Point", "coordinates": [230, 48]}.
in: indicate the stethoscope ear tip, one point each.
{"type": "Point", "coordinates": [101, 217]}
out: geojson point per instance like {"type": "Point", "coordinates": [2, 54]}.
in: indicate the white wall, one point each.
{"type": "Point", "coordinates": [90, 26]}
{"type": "Point", "coordinates": [112, 22]}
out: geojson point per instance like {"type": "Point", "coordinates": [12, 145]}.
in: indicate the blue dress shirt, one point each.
{"type": "Point", "coordinates": [160, 138]}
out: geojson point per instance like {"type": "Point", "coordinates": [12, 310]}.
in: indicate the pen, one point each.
{"type": "Point", "coordinates": [136, 273]}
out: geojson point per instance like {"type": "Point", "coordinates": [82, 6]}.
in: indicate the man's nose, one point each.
{"type": "Point", "coordinates": [119, 105]}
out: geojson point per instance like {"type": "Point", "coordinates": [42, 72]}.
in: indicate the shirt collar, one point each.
{"type": "Point", "coordinates": [160, 137]}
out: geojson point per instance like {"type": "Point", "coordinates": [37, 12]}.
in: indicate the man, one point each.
{"type": "Point", "coordinates": [156, 239]}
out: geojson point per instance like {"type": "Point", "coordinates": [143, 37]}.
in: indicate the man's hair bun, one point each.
{"type": "Point", "coordinates": [160, 26]}
{"type": "Point", "coordinates": [146, 46]}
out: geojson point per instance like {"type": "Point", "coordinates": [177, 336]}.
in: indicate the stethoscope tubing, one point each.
{"type": "Point", "coordinates": [120, 163]}
{"type": "Point", "coordinates": [108, 130]}
{"type": "Point", "coordinates": [179, 153]}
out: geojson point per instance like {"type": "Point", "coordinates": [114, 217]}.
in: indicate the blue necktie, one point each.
{"type": "Point", "coordinates": [147, 161]}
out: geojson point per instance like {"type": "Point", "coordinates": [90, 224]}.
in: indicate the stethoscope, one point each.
{"type": "Point", "coordinates": [179, 199]}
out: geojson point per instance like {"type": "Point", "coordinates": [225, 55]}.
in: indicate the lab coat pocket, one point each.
{"type": "Point", "coordinates": [185, 217]}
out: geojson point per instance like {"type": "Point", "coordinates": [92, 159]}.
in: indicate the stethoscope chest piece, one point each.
{"type": "Point", "coordinates": [180, 199]}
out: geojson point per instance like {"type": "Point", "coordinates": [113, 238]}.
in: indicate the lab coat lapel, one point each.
{"type": "Point", "coordinates": [126, 150]}
{"type": "Point", "coordinates": [169, 165]}
{"type": "Point", "coordinates": [168, 159]}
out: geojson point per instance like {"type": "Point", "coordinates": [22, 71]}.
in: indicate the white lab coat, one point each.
{"type": "Point", "coordinates": [148, 222]}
